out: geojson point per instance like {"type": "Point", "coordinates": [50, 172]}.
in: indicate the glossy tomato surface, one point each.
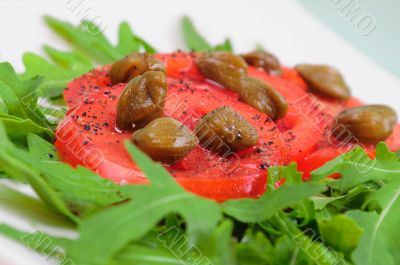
{"type": "Point", "coordinates": [88, 136]}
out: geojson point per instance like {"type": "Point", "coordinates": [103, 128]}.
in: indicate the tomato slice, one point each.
{"type": "Point", "coordinates": [292, 75]}
{"type": "Point", "coordinates": [88, 137]}
{"type": "Point", "coordinates": [329, 148]}
{"type": "Point", "coordinates": [301, 133]}
{"type": "Point", "coordinates": [300, 127]}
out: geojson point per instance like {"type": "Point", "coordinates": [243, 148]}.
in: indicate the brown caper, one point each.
{"type": "Point", "coordinates": [324, 80]}
{"type": "Point", "coordinates": [263, 97]}
{"type": "Point", "coordinates": [165, 139]}
{"type": "Point", "coordinates": [224, 130]}
{"type": "Point", "coordinates": [142, 100]}
{"type": "Point", "coordinates": [134, 65]}
{"type": "Point", "coordinates": [367, 124]}
{"type": "Point", "coordinates": [265, 60]}
{"type": "Point", "coordinates": [224, 68]}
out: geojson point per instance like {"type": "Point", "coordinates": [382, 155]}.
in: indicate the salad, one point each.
{"type": "Point", "coordinates": [200, 156]}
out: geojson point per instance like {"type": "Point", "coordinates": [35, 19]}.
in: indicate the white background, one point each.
{"type": "Point", "coordinates": [284, 27]}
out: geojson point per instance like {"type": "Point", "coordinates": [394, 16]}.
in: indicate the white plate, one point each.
{"type": "Point", "coordinates": [284, 27]}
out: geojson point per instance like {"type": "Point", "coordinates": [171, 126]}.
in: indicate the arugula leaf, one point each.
{"type": "Point", "coordinates": [321, 201]}
{"type": "Point", "coordinates": [221, 247]}
{"type": "Point", "coordinates": [82, 190]}
{"type": "Point", "coordinates": [144, 255]}
{"type": "Point", "coordinates": [301, 247]}
{"type": "Point", "coordinates": [95, 46]}
{"type": "Point", "coordinates": [273, 201]}
{"type": "Point", "coordinates": [128, 42]}
{"type": "Point", "coordinates": [317, 251]}
{"type": "Point", "coordinates": [38, 241]}
{"type": "Point", "coordinates": [11, 162]}
{"type": "Point", "coordinates": [255, 249]}
{"type": "Point", "coordinates": [341, 233]}
{"type": "Point", "coordinates": [30, 208]}
{"type": "Point", "coordinates": [3, 107]}
{"type": "Point", "coordinates": [58, 184]}
{"type": "Point", "coordinates": [69, 65]}
{"type": "Point", "coordinates": [357, 168]}
{"type": "Point", "coordinates": [89, 39]}
{"type": "Point", "coordinates": [20, 97]}
{"type": "Point", "coordinates": [73, 61]}
{"type": "Point", "coordinates": [18, 129]}
{"type": "Point", "coordinates": [46, 244]}
{"type": "Point", "coordinates": [149, 205]}
{"type": "Point", "coordinates": [195, 42]}
{"type": "Point", "coordinates": [379, 243]}
{"type": "Point", "coordinates": [41, 149]}
{"type": "Point", "coordinates": [225, 46]}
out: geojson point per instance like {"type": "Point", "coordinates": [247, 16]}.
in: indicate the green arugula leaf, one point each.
{"type": "Point", "coordinates": [255, 249]}
{"type": "Point", "coordinates": [317, 251]}
{"type": "Point", "coordinates": [83, 39]}
{"type": "Point", "coordinates": [379, 243]}
{"type": "Point", "coordinates": [73, 61]}
{"type": "Point", "coordinates": [12, 163]}
{"type": "Point", "coordinates": [221, 247]}
{"type": "Point", "coordinates": [294, 192]}
{"type": "Point", "coordinates": [20, 97]}
{"type": "Point", "coordinates": [260, 47]}
{"type": "Point", "coordinates": [38, 241]}
{"type": "Point", "coordinates": [357, 168]}
{"type": "Point", "coordinates": [18, 129]}
{"type": "Point", "coordinates": [225, 46]}
{"type": "Point", "coordinates": [144, 255]}
{"type": "Point", "coordinates": [128, 42]}
{"type": "Point", "coordinates": [149, 204]}
{"type": "Point", "coordinates": [273, 201]}
{"type": "Point", "coordinates": [29, 208]}
{"type": "Point", "coordinates": [3, 107]}
{"type": "Point", "coordinates": [322, 201]}
{"type": "Point", "coordinates": [194, 41]}
{"type": "Point", "coordinates": [69, 65]}
{"type": "Point", "coordinates": [340, 233]}
{"type": "Point", "coordinates": [301, 247]}
{"type": "Point", "coordinates": [41, 149]}
{"type": "Point", "coordinates": [84, 191]}
{"type": "Point", "coordinates": [305, 211]}
{"type": "Point", "coordinates": [89, 39]}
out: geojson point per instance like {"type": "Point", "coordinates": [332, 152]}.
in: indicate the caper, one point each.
{"type": "Point", "coordinates": [224, 68]}
{"type": "Point", "coordinates": [134, 65]}
{"type": "Point", "coordinates": [224, 130]}
{"type": "Point", "coordinates": [263, 97]}
{"type": "Point", "coordinates": [265, 60]}
{"type": "Point", "coordinates": [142, 100]}
{"type": "Point", "coordinates": [368, 124]}
{"type": "Point", "coordinates": [165, 139]}
{"type": "Point", "coordinates": [324, 80]}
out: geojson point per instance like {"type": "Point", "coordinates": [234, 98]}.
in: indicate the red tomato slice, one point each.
{"type": "Point", "coordinates": [329, 148]}
{"type": "Point", "coordinates": [292, 75]}
{"type": "Point", "coordinates": [88, 137]}
{"type": "Point", "coordinates": [301, 133]}
{"type": "Point", "coordinates": [301, 127]}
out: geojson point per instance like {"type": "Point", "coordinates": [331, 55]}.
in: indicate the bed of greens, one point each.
{"type": "Point", "coordinates": [351, 220]}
